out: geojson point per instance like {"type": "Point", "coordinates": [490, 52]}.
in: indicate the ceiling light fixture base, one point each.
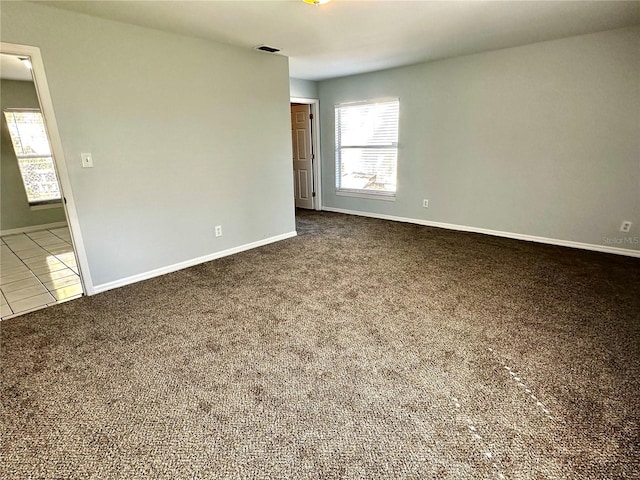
{"type": "Point", "coordinates": [317, 3]}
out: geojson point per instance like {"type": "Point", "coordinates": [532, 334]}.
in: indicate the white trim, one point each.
{"type": "Point", "coordinates": [497, 233]}
{"type": "Point", "coordinates": [303, 100]}
{"type": "Point", "coordinates": [389, 197]}
{"type": "Point", "coordinates": [317, 164]}
{"type": "Point", "coordinates": [369, 101]}
{"type": "Point", "coordinates": [46, 106]}
{"type": "Point", "coordinates": [46, 206]}
{"type": "Point", "coordinates": [189, 263]}
{"type": "Point", "coordinates": [32, 228]}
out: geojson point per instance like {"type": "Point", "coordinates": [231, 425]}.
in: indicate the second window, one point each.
{"type": "Point", "coordinates": [367, 147]}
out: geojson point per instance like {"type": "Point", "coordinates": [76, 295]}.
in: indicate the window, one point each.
{"type": "Point", "coordinates": [30, 142]}
{"type": "Point", "coordinates": [367, 147]}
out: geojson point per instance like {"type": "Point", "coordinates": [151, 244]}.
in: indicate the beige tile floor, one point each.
{"type": "Point", "coordinates": [37, 269]}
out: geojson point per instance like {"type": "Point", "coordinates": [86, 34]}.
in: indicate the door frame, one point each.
{"type": "Point", "coordinates": [46, 107]}
{"type": "Point", "coordinates": [316, 172]}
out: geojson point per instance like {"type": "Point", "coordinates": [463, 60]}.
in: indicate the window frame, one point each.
{"type": "Point", "coordinates": [36, 203]}
{"type": "Point", "coordinates": [361, 192]}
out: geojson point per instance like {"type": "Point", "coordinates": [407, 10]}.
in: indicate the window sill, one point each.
{"type": "Point", "coordinates": [45, 206]}
{"type": "Point", "coordinates": [371, 196]}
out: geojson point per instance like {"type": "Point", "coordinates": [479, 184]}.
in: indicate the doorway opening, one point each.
{"type": "Point", "coordinates": [306, 153]}
{"type": "Point", "coordinates": [42, 261]}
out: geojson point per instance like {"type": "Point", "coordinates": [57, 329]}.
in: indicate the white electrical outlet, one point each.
{"type": "Point", "coordinates": [87, 161]}
{"type": "Point", "coordinates": [626, 226]}
{"type": "Point", "coordinates": [425, 203]}
{"type": "Point", "coordinates": [218, 230]}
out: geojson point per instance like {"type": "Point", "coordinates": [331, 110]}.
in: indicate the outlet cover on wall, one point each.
{"type": "Point", "coordinates": [425, 203]}
{"type": "Point", "coordinates": [218, 230]}
{"type": "Point", "coordinates": [626, 226]}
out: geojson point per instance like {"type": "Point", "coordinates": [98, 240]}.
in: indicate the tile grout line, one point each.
{"type": "Point", "coordinates": [56, 235]}
{"type": "Point", "coordinates": [61, 261]}
{"type": "Point", "coordinates": [48, 290]}
{"type": "Point", "coordinates": [44, 247]}
{"type": "Point", "coordinates": [32, 273]}
{"type": "Point", "coordinates": [7, 303]}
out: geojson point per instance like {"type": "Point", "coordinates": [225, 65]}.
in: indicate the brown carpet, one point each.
{"type": "Point", "coordinates": [362, 349]}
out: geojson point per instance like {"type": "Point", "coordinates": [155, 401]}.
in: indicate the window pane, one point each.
{"type": "Point", "coordinates": [370, 124]}
{"type": "Point", "coordinates": [39, 177]}
{"type": "Point", "coordinates": [31, 145]}
{"type": "Point", "coordinates": [366, 146]}
{"type": "Point", "coordinates": [372, 169]}
{"type": "Point", "coordinates": [28, 134]}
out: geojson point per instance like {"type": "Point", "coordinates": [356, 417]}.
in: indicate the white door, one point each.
{"type": "Point", "coordinates": [302, 156]}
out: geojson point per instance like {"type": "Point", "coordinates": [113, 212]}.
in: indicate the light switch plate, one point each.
{"type": "Point", "coordinates": [87, 161]}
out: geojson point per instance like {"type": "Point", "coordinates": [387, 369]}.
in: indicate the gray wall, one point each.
{"type": "Point", "coordinates": [539, 140]}
{"type": "Point", "coordinates": [303, 88]}
{"type": "Point", "coordinates": [183, 138]}
{"type": "Point", "coordinates": [14, 206]}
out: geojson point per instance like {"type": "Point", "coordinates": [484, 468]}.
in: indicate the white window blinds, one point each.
{"type": "Point", "coordinates": [367, 147]}
{"type": "Point", "coordinates": [31, 145]}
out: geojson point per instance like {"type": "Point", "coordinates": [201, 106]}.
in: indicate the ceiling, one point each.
{"type": "Point", "coordinates": [346, 37]}
{"type": "Point", "coordinates": [11, 68]}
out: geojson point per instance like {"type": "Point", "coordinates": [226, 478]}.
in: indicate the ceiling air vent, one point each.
{"type": "Point", "coordinates": [267, 48]}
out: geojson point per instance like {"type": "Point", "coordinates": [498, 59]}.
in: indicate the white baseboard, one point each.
{"type": "Point", "coordinates": [33, 228]}
{"type": "Point", "coordinates": [189, 263]}
{"type": "Point", "coordinates": [517, 236]}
